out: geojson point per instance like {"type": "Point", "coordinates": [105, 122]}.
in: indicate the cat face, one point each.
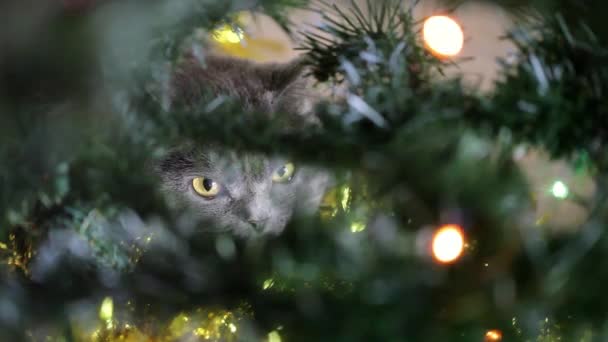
{"type": "Point", "coordinates": [246, 193]}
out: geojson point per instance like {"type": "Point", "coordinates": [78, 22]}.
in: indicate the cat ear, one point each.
{"type": "Point", "coordinates": [277, 77]}
{"type": "Point", "coordinates": [193, 77]}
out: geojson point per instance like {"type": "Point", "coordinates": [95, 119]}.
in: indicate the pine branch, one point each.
{"type": "Point", "coordinates": [552, 92]}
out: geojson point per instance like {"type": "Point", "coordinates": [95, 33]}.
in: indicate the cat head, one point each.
{"type": "Point", "coordinates": [269, 88]}
{"type": "Point", "coordinates": [247, 193]}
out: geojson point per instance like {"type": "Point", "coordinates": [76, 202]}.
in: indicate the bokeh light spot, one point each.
{"type": "Point", "coordinates": [559, 190]}
{"type": "Point", "coordinates": [448, 243]}
{"type": "Point", "coordinates": [493, 335]}
{"type": "Point", "coordinates": [443, 35]}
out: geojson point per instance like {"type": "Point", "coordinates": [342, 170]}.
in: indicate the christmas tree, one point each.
{"type": "Point", "coordinates": [429, 234]}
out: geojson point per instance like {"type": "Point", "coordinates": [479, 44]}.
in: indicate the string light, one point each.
{"type": "Point", "coordinates": [443, 35]}
{"type": "Point", "coordinates": [448, 243]}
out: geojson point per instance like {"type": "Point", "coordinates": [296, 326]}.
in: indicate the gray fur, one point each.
{"type": "Point", "coordinates": [250, 203]}
{"type": "Point", "coordinates": [263, 88]}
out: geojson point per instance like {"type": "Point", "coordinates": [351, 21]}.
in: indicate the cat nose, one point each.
{"type": "Point", "coordinates": [258, 225]}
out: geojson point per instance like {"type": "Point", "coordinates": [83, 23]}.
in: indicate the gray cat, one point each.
{"type": "Point", "coordinates": [246, 193]}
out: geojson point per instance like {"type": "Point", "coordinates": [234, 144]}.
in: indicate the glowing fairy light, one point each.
{"type": "Point", "coordinates": [228, 34]}
{"type": "Point", "coordinates": [559, 190]}
{"type": "Point", "coordinates": [448, 243]}
{"type": "Point", "coordinates": [493, 336]}
{"type": "Point", "coordinates": [442, 35]}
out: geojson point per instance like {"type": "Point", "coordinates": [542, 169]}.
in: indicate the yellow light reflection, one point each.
{"type": "Point", "coordinates": [106, 310]}
{"type": "Point", "coordinates": [448, 243]}
{"type": "Point", "coordinates": [228, 34]}
{"type": "Point", "coordinates": [274, 336]}
{"type": "Point", "coordinates": [345, 197]}
{"type": "Point", "coordinates": [443, 35]}
{"type": "Point", "coordinates": [268, 283]}
{"type": "Point", "coordinates": [357, 226]}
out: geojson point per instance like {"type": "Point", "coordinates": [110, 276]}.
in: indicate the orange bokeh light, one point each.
{"type": "Point", "coordinates": [443, 35]}
{"type": "Point", "coordinates": [493, 336]}
{"type": "Point", "coordinates": [448, 243]}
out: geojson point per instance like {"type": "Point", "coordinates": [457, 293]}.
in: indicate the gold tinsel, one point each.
{"type": "Point", "coordinates": [201, 324]}
{"type": "Point", "coordinates": [236, 39]}
{"type": "Point", "coordinates": [17, 253]}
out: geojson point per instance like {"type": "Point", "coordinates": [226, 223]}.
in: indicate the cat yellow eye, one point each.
{"type": "Point", "coordinates": [284, 173]}
{"type": "Point", "coordinates": [205, 187]}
